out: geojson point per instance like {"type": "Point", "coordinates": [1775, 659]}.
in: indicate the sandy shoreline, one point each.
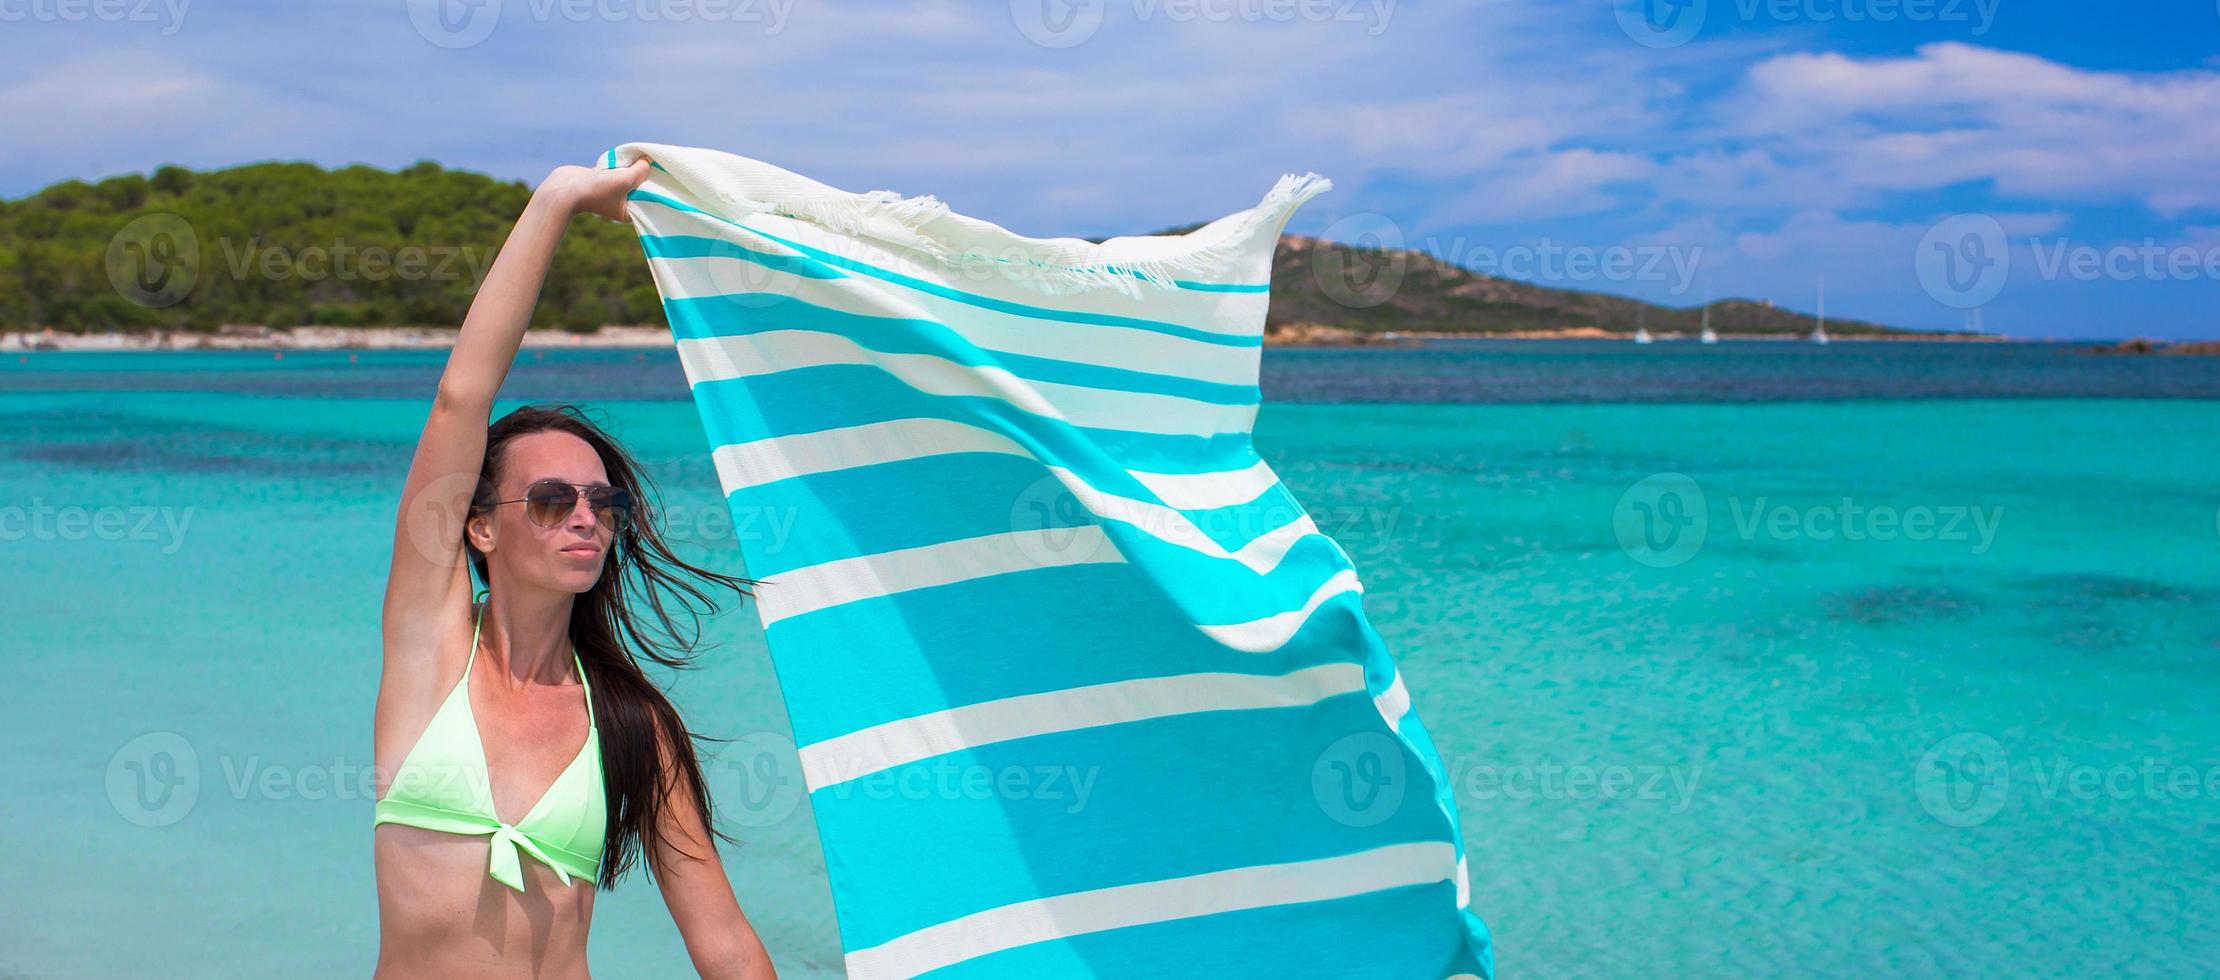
{"type": "Point", "coordinates": [319, 338]}
{"type": "Point", "coordinates": [644, 336]}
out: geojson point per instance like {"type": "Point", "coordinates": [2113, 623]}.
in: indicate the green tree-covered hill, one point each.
{"type": "Point", "coordinates": [288, 244]}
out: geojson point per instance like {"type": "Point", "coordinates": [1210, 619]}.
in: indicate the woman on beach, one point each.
{"type": "Point", "coordinates": [509, 795]}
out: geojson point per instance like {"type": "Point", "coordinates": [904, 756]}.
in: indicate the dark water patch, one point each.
{"type": "Point", "coordinates": [67, 423]}
{"type": "Point", "coordinates": [1458, 466]}
{"type": "Point", "coordinates": [2090, 590]}
{"type": "Point", "coordinates": [2155, 621]}
{"type": "Point", "coordinates": [116, 441]}
{"type": "Point", "coordinates": [2083, 632]}
{"type": "Point", "coordinates": [556, 375]}
{"type": "Point", "coordinates": [1892, 604]}
{"type": "Point", "coordinates": [131, 455]}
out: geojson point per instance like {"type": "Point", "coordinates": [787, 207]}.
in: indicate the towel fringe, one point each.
{"type": "Point", "coordinates": [1121, 264]}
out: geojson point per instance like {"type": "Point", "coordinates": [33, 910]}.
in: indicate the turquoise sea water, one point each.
{"type": "Point", "coordinates": [1759, 658]}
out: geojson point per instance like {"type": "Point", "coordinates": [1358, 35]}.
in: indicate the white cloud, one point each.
{"type": "Point", "coordinates": [98, 113]}
{"type": "Point", "coordinates": [1542, 185]}
{"type": "Point", "coordinates": [1953, 113]}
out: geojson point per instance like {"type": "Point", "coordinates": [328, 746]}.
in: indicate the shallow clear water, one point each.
{"type": "Point", "coordinates": [1755, 658]}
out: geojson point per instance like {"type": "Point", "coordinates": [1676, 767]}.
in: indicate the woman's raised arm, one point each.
{"type": "Point", "coordinates": [428, 574]}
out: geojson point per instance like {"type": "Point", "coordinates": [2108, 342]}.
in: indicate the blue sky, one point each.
{"type": "Point", "coordinates": [2038, 168]}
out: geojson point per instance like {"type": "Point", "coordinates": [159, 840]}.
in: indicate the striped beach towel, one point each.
{"type": "Point", "coordinates": [1078, 688]}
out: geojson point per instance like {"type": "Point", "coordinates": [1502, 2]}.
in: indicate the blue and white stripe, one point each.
{"type": "Point", "coordinates": [1028, 533]}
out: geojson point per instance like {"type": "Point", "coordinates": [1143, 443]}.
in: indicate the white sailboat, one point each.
{"type": "Point", "coordinates": [1819, 333]}
{"type": "Point", "coordinates": [1641, 327]}
{"type": "Point", "coordinates": [1708, 336]}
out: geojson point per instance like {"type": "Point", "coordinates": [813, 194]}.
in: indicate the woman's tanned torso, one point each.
{"type": "Point", "coordinates": [441, 914]}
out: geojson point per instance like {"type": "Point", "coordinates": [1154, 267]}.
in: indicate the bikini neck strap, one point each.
{"type": "Point", "coordinates": [481, 601]}
{"type": "Point", "coordinates": [581, 662]}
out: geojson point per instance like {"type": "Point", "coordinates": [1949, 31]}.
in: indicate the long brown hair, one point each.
{"type": "Point", "coordinates": [628, 708]}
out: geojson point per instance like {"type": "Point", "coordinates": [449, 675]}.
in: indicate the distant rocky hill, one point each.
{"type": "Point", "coordinates": [1374, 291]}
{"type": "Point", "coordinates": [1326, 291]}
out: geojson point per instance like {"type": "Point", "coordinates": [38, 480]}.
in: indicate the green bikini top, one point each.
{"type": "Point", "coordinates": [443, 785]}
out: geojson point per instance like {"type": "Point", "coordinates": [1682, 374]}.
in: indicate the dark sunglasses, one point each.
{"type": "Point", "coordinates": [548, 502]}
